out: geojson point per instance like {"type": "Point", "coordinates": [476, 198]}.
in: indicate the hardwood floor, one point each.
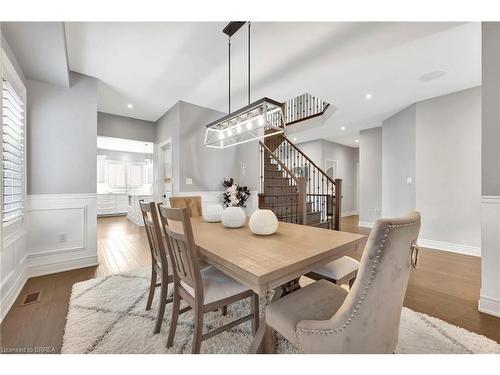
{"type": "Point", "coordinates": [445, 285]}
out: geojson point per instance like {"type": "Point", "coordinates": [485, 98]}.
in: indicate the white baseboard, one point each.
{"type": "Point", "coordinates": [489, 301]}
{"type": "Point", "coordinates": [366, 224]}
{"type": "Point", "coordinates": [39, 270]}
{"type": "Point", "coordinates": [349, 213]}
{"type": "Point", "coordinates": [63, 266]}
{"type": "Point", "coordinates": [12, 293]}
{"type": "Point", "coordinates": [450, 247]}
{"type": "Point", "coordinates": [489, 305]}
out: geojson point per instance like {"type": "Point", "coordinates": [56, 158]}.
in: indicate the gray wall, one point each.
{"type": "Point", "coordinates": [346, 170]}
{"type": "Point", "coordinates": [168, 127]}
{"type": "Point", "coordinates": [398, 163]}
{"type": "Point", "coordinates": [491, 109]}
{"type": "Point", "coordinates": [346, 158]}
{"type": "Point", "coordinates": [448, 167]}
{"type": "Point", "coordinates": [62, 130]}
{"type": "Point", "coordinates": [370, 175]}
{"type": "Point", "coordinates": [207, 167]}
{"type": "Point", "coordinates": [109, 125]}
{"type": "Point", "coordinates": [437, 143]}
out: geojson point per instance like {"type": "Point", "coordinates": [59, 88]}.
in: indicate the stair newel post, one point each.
{"type": "Point", "coordinates": [301, 201]}
{"type": "Point", "coordinates": [261, 170]}
{"type": "Point", "coordinates": [338, 202]}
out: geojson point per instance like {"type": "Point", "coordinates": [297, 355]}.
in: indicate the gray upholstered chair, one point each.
{"type": "Point", "coordinates": [324, 318]}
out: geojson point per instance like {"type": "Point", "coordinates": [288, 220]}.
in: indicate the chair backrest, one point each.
{"type": "Point", "coordinates": [193, 203]}
{"type": "Point", "coordinates": [153, 231]}
{"type": "Point", "coordinates": [183, 252]}
{"type": "Point", "coordinates": [368, 320]}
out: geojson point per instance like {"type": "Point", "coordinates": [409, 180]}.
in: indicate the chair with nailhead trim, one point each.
{"type": "Point", "coordinates": [324, 318]}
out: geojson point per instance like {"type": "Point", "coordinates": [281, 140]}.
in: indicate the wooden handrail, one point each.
{"type": "Point", "coordinates": [308, 117]}
{"type": "Point", "coordinates": [308, 159]}
{"type": "Point", "coordinates": [282, 165]}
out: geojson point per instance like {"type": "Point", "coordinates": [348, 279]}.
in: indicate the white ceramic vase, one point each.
{"type": "Point", "coordinates": [234, 217]}
{"type": "Point", "coordinates": [213, 213]}
{"type": "Point", "coordinates": [263, 222]}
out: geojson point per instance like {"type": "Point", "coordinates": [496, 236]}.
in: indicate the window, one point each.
{"type": "Point", "coordinates": [13, 147]}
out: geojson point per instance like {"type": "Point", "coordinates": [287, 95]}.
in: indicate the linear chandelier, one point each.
{"type": "Point", "coordinates": [260, 119]}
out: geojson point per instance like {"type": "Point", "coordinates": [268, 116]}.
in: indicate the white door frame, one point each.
{"type": "Point", "coordinates": [161, 170]}
{"type": "Point", "coordinates": [332, 163]}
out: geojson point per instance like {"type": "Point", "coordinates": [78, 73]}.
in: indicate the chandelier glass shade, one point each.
{"type": "Point", "coordinates": [257, 120]}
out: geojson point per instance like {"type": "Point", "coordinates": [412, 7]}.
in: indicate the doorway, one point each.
{"type": "Point", "coordinates": [165, 171]}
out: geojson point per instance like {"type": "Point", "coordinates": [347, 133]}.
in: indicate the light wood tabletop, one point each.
{"type": "Point", "coordinates": [265, 262]}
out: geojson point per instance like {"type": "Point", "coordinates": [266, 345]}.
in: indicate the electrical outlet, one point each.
{"type": "Point", "coordinates": [409, 180]}
{"type": "Point", "coordinates": [189, 181]}
{"type": "Point", "coordinates": [63, 237]}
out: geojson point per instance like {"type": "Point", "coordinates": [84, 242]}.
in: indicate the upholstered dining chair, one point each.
{"type": "Point", "coordinates": [193, 203]}
{"type": "Point", "coordinates": [159, 261]}
{"type": "Point", "coordinates": [324, 318]}
{"type": "Point", "coordinates": [341, 271]}
{"type": "Point", "coordinates": [203, 290]}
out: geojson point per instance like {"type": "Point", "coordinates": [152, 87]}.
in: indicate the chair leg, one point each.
{"type": "Point", "coordinates": [198, 330]}
{"type": "Point", "coordinates": [255, 312]}
{"type": "Point", "coordinates": [175, 317]}
{"type": "Point", "coordinates": [152, 287]}
{"type": "Point", "coordinates": [161, 307]}
{"type": "Point", "coordinates": [224, 310]}
{"type": "Point", "coordinates": [351, 282]}
{"type": "Point", "coordinates": [269, 340]}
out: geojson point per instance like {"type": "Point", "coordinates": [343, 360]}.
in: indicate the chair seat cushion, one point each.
{"type": "Point", "coordinates": [338, 268]}
{"type": "Point", "coordinates": [317, 301]}
{"type": "Point", "coordinates": [216, 285]}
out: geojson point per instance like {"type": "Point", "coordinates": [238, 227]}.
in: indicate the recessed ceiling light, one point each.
{"type": "Point", "coordinates": [368, 96]}
{"type": "Point", "coordinates": [342, 128]}
{"type": "Point", "coordinates": [130, 106]}
{"type": "Point", "coordinates": [294, 139]}
{"type": "Point", "coordinates": [431, 76]}
{"type": "Point", "coordinates": [356, 140]}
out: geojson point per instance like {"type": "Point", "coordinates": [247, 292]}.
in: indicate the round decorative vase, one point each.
{"type": "Point", "coordinates": [233, 217]}
{"type": "Point", "coordinates": [263, 222]}
{"type": "Point", "coordinates": [213, 213]}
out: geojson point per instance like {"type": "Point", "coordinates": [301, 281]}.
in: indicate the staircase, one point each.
{"type": "Point", "coordinates": [295, 188]}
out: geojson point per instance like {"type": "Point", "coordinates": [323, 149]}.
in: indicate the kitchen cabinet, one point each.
{"type": "Point", "coordinates": [135, 175]}
{"type": "Point", "coordinates": [101, 169]}
{"type": "Point", "coordinates": [116, 173]}
{"type": "Point", "coordinates": [134, 210]}
{"type": "Point", "coordinates": [112, 204]}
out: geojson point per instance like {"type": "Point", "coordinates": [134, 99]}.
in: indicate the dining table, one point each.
{"type": "Point", "coordinates": [270, 265]}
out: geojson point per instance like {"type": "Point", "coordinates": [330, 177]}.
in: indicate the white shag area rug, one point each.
{"type": "Point", "coordinates": [108, 315]}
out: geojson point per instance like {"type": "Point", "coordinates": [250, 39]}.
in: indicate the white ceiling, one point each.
{"type": "Point", "coordinates": [153, 65]}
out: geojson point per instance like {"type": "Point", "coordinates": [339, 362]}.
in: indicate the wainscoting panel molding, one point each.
{"type": "Point", "coordinates": [489, 300]}
{"type": "Point", "coordinates": [59, 234]}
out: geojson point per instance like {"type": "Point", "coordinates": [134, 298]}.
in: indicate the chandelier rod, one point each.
{"type": "Point", "coordinates": [229, 78]}
{"type": "Point", "coordinates": [249, 25]}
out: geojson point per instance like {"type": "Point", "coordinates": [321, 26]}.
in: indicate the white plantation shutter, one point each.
{"type": "Point", "coordinates": [13, 147]}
